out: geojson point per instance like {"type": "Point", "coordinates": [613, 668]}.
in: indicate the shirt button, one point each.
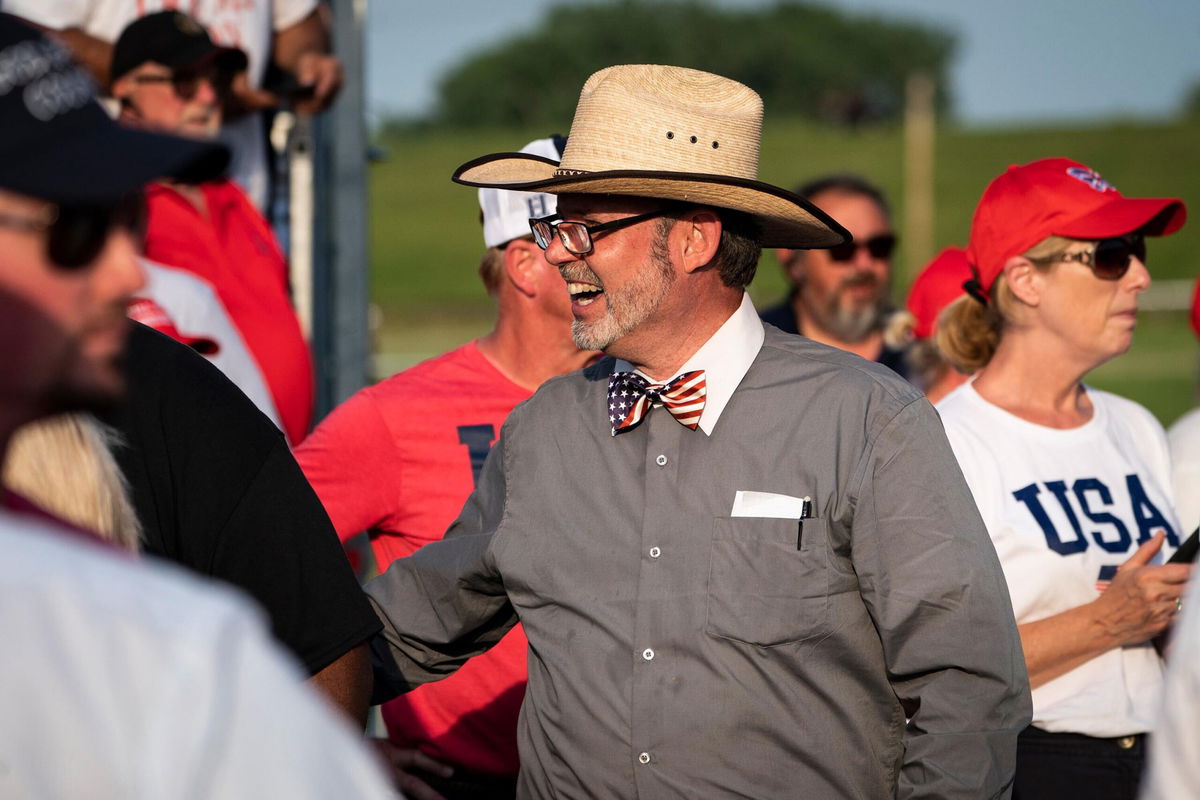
{"type": "Point", "coordinates": [655, 552]}
{"type": "Point", "coordinates": [661, 461]}
{"type": "Point", "coordinates": [644, 758]}
{"type": "Point", "coordinates": [1126, 742]}
{"type": "Point", "coordinates": [648, 654]}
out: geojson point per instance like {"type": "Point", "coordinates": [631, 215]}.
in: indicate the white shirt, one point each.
{"type": "Point", "coordinates": [127, 680]}
{"type": "Point", "coordinates": [1184, 440]}
{"type": "Point", "coordinates": [249, 25]}
{"type": "Point", "coordinates": [1174, 769]}
{"type": "Point", "coordinates": [725, 359]}
{"type": "Point", "coordinates": [1064, 508]}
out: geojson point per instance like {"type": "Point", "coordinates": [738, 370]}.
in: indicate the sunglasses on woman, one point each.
{"type": "Point", "coordinates": [1110, 258]}
{"type": "Point", "coordinates": [76, 234]}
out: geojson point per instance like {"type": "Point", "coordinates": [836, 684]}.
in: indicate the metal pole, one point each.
{"type": "Point", "coordinates": [918, 173]}
{"type": "Point", "coordinates": [340, 338]}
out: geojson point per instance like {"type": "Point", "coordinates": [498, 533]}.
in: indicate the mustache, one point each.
{"type": "Point", "coordinates": [578, 272]}
{"type": "Point", "coordinates": [863, 278]}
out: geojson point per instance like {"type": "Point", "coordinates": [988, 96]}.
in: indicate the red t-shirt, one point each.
{"type": "Point", "coordinates": [234, 250]}
{"type": "Point", "coordinates": [399, 459]}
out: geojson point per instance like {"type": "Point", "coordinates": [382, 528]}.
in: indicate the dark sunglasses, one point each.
{"type": "Point", "coordinates": [576, 237]}
{"type": "Point", "coordinates": [878, 246]}
{"type": "Point", "coordinates": [186, 83]}
{"type": "Point", "coordinates": [76, 234]}
{"type": "Point", "coordinates": [1110, 259]}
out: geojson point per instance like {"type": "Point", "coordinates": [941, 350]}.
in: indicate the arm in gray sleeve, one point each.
{"type": "Point", "coordinates": [932, 582]}
{"type": "Point", "coordinates": [446, 602]}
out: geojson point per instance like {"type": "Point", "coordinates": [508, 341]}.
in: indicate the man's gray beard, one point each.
{"type": "Point", "coordinates": [631, 307]}
{"type": "Point", "coordinates": [845, 324]}
{"type": "Point", "coordinates": [854, 325]}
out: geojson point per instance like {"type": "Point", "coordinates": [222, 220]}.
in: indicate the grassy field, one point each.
{"type": "Point", "coordinates": [426, 239]}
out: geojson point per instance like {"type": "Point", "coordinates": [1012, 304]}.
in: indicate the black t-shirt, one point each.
{"type": "Point", "coordinates": [217, 490]}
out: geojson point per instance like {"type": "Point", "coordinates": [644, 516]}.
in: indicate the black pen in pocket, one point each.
{"type": "Point", "coordinates": [805, 513]}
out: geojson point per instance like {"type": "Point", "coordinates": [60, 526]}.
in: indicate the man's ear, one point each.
{"type": "Point", "coordinates": [523, 264]}
{"type": "Point", "coordinates": [697, 235]}
{"type": "Point", "coordinates": [1024, 279]}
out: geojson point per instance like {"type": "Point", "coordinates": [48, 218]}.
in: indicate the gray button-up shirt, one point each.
{"type": "Point", "coordinates": [679, 651]}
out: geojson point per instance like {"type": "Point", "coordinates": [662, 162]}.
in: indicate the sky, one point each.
{"type": "Point", "coordinates": [1018, 61]}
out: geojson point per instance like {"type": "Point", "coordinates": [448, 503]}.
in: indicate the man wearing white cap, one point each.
{"type": "Point", "coordinates": [399, 458]}
{"type": "Point", "coordinates": [747, 564]}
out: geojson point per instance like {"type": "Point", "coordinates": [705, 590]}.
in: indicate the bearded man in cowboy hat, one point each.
{"type": "Point", "coordinates": [742, 559]}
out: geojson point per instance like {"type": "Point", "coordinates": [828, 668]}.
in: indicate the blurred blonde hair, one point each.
{"type": "Point", "coordinates": [899, 329]}
{"type": "Point", "coordinates": [968, 332]}
{"type": "Point", "coordinates": [64, 464]}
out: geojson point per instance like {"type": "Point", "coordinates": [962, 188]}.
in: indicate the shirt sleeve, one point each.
{"type": "Point", "coordinates": [446, 602]}
{"type": "Point", "coordinates": [279, 546]}
{"type": "Point", "coordinates": [217, 491]}
{"type": "Point", "coordinates": [353, 466]}
{"type": "Point", "coordinates": [932, 583]}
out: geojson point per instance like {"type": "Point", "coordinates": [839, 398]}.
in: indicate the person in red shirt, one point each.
{"type": "Point", "coordinates": [169, 76]}
{"type": "Point", "coordinates": [399, 458]}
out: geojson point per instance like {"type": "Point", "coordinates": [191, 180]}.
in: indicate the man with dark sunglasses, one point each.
{"type": "Point", "coordinates": [839, 296]}
{"type": "Point", "coordinates": [117, 678]}
{"type": "Point", "coordinates": [168, 76]}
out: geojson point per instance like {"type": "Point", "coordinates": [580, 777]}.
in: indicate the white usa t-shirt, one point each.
{"type": "Point", "coordinates": [1064, 509]}
{"type": "Point", "coordinates": [249, 25]}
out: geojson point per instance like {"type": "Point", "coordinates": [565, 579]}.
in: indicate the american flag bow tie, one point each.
{"type": "Point", "coordinates": [630, 397]}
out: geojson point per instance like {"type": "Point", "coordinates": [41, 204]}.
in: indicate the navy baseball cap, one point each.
{"type": "Point", "coordinates": [58, 144]}
{"type": "Point", "coordinates": [173, 39]}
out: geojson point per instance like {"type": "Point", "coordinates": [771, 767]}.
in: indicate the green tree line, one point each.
{"type": "Point", "coordinates": [804, 59]}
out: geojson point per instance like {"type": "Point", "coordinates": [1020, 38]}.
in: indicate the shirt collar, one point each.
{"type": "Point", "coordinates": [725, 359]}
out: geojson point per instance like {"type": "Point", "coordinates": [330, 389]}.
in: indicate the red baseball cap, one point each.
{"type": "Point", "coordinates": [1058, 197]}
{"type": "Point", "coordinates": [938, 285]}
{"type": "Point", "coordinates": [151, 314]}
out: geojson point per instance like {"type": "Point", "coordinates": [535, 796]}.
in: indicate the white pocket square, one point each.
{"type": "Point", "coordinates": [767, 504]}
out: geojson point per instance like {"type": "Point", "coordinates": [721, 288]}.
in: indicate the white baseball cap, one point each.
{"type": "Point", "coordinates": [506, 213]}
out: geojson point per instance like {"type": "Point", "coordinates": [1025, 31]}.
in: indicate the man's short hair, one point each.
{"type": "Point", "coordinates": [739, 250]}
{"type": "Point", "coordinates": [845, 183]}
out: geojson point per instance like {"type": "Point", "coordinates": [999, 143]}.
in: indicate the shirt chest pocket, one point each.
{"type": "Point", "coordinates": [768, 582]}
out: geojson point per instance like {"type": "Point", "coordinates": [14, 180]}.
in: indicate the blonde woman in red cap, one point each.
{"type": "Point", "coordinates": [1073, 483]}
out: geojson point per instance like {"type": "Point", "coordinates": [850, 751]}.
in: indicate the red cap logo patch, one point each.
{"type": "Point", "coordinates": [1091, 178]}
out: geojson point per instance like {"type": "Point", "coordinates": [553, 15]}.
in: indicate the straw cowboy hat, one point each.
{"type": "Point", "coordinates": [665, 132]}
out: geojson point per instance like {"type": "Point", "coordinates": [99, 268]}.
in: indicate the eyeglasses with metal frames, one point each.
{"type": "Point", "coordinates": [577, 237]}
